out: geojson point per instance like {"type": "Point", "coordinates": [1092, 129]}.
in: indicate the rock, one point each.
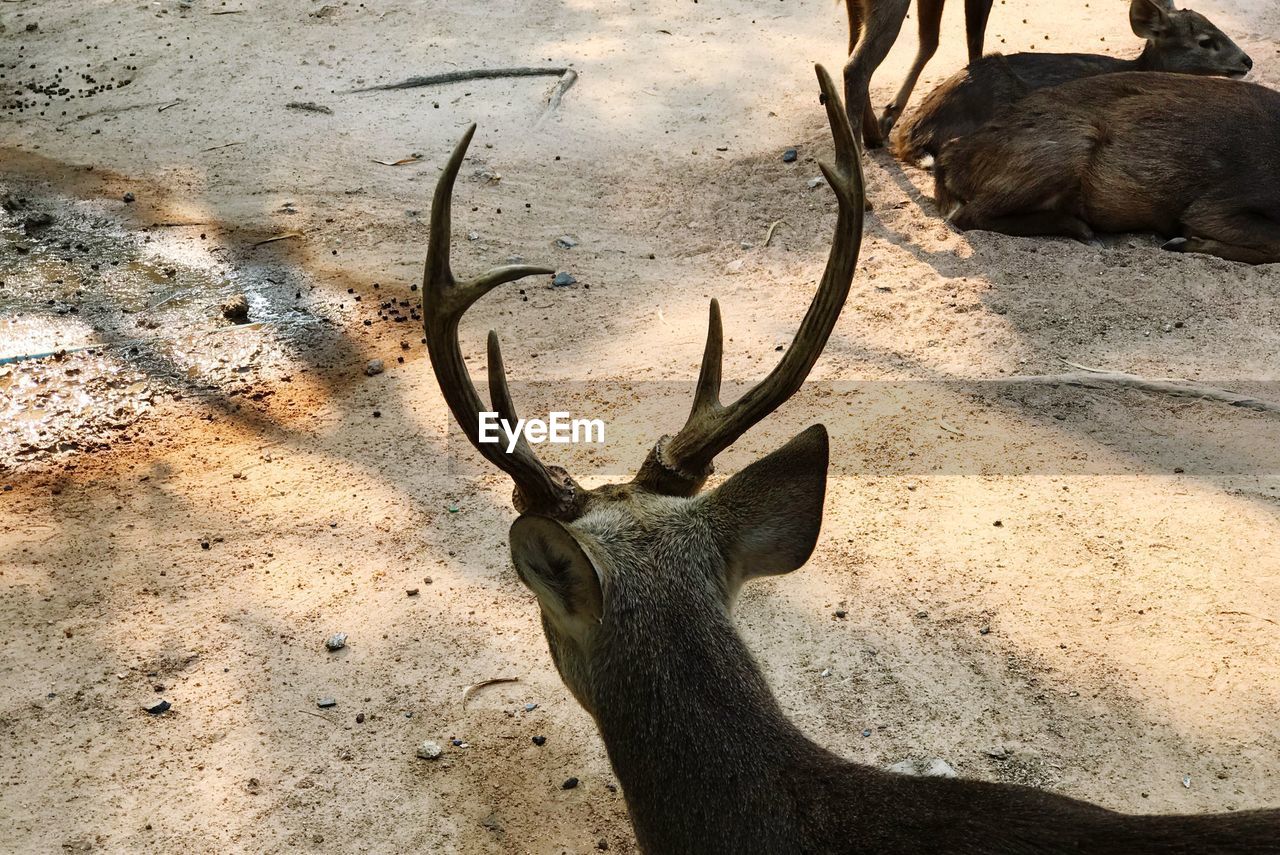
{"type": "Point", "coordinates": [530, 707]}
{"type": "Point", "coordinates": [309, 107]}
{"type": "Point", "coordinates": [491, 822]}
{"type": "Point", "coordinates": [337, 641]}
{"type": "Point", "coordinates": [566, 241]}
{"type": "Point", "coordinates": [569, 784]}
{"type": "Point", "coordinates": [473, 236]}
{"type": "Point", "coordinates": [934, 767]}
{"type": "Point", "coordinates": [374, 367]}
{"type": "Point", "coordinates": [359, 718]}
{"type": "Point", "coordinates": [325, 703]}
{"type": "Point", "coordinates": [411, 592]}
{"type": "Point", "coordinates": [157, 708]}
{"type": "Point", "coordinates": [539, 740]}
{"type": "Point", "coordinates": [563, 279]}
{"type": "Point", "coordinates": [128, 197]}
{"type": "Point", "coordinates": [236, 309]}
{"type": "Point", "coordinates": [815, 182]}
{"type": "Point", "coordinates": [789, 156]}
{"type": "Point", "coordinates": [430, 750]}
{"type": "Point", "coordinates": [602, 845]}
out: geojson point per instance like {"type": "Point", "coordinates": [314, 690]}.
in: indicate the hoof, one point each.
{"type": "Point", "coordinates": [1178, 244]}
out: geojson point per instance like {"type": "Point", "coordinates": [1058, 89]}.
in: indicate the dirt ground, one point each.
{"type": "Point", "coordinates": [1072, 588]}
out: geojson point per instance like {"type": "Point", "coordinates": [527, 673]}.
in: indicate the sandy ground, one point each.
{"type": "Point", "coordinates": [1114, 637]}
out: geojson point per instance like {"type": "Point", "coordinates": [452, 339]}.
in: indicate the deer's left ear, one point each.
{"type": "Point", "coordinates": [551, 561]}
{"type": "Point", "coordinates": [767, 517]}
{"type": "Point", "coordinates": [1150, 18]}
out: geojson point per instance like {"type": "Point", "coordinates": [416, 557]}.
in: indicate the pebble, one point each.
{"type": "Point", "coordinates": [128, 197]}
{"type": "Point", "coordinates": [325, 703]}
{"type": "Point", "coordinates": [337, 641]}
{"type": "Point", "coordinates": [602, 844]}
{"type": "Point", "coordinates": [566, 241]}
{"type": "Point", "coordinates": [789, 156]}
{"type": "Point", "coordinates": [359, 718]}
{"type": "Point", "coordinates": [236, 309]}
{"type": "Point", "coordinates": [539, 740]}
{"type": "Point", "coordinates": [814, 182]}
{"type": "Point", "coordinates": [530, 707]}
{"type": "Point", "coordinates": [374, 367]}
{"type": "Point", "coordinates": [430, 750]}
{"type": "Point", "coordinates": [563, 279]}
{"type": "Point", "coordinates": [569, 784]}
{"type": "Point", "coordinates": [156, 709]}
{"type": "Point", "coordinates": [411, 592]}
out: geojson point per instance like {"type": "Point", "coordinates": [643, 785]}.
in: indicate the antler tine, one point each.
{"type": "Point", "coordinates": [548, 490]}
{"type": "Point", "coordinates": [680, 464]}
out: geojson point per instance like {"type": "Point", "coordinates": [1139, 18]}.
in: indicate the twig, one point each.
{"type": "Point", "coordinates": [228, 12]}
{"type": "Point", "coordinates": [224, 145]}
{"type": "Point", "coordinates": [167, 106]}
{"type": "Point", "coordinates": [1247, 614]}
{"type": "Point", "coordinates": [768, 236]}
{"type": "Point", "coordinates": [557, 93]}
{"type": "Point", "coordinates": [475, 687]}
{"type": "Point", "coordinates": [459, 76]}
{"type": "Point", "coordinates": [319, 716]}
{"type": "Point", "coordinates": [275, 238]}
{"type": "Point", "coordinates": [1091, 378]}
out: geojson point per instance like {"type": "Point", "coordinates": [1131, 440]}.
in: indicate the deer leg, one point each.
{"type": "Point", "coordinates": [976, 13]}
{"type": "Point", "coordinates": [1027, 224]}
{"type": "Point", "coordinates": [930, 12]}
{"type": "Point", "coordinates": [1233, 231]}
{"type": "Point", "coordinates": [881, 22]}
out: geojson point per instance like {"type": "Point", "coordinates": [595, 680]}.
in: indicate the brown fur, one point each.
{"type": "Point", "coordinates": [1182, 156]}
{"type": "Point", "coordinates": [1177, 40]}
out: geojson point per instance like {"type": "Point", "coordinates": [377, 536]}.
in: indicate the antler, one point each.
{"type": "Point", "coordinates": [679, 465]}
{"type": "Point", "coordinates": [540, 488]}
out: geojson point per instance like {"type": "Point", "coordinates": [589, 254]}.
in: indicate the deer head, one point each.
{"type": "Point", "coordinates": [1184, 41]}
{"type": "Point", "coordinates": [651, 558]}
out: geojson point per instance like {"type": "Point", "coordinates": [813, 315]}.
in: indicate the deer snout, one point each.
{"type": "Point", "coordinates": [1246, 65]}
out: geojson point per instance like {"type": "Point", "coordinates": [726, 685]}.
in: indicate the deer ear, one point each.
{"type": "Point", "coordinates": [1150, 18]}
{"type": "Point", "coordinates": [551, 561]}
{"type": "Point", "coordinates": [767, 517]}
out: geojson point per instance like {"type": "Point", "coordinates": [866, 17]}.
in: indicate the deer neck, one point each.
{"type": "Point", "coordinates": [694, 734]}
{"type": "Point", "coordinates": [1148, 60]}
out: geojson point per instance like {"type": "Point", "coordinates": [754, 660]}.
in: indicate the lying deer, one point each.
{"type": "Point", "coordinates": [636, 581]}
{"type": "Point", "coordinates": [1195, 158]}
{"type": "Point", "coordinates": [1177, 40]}
{"type": "Point", "coordinates": [873, 28]}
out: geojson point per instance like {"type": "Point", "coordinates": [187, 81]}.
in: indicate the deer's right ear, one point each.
{"type": "Point", "coordinates": [767, 517]}
{"type": "Point", "coordinates": [552, 562]}
{"type": "Point", "coordinates": [1150, 18]}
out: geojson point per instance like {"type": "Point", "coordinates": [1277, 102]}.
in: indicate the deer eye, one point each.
{"type": "Point", "coordinates": [1205, 42]}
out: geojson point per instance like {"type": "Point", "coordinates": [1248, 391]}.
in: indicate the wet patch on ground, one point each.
{"type": "Point", "coordinates": [99, 322]}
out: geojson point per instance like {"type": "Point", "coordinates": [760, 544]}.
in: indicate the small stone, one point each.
{"type": "Point", "coordinates": [998, 524]}
{"type": "Point", "coordinates": [539, 740]}
{"type": "Point", "coordinates": [986, 630]}
{"type": "Point", "coordinates": [430, 750]}
{"type": "Point", "coordinates": [491, 822]}
{"type": "Point", "coordinates": [789, 156]}
{"type": "Point", "coordinates": [866, 732]}
{"type": "Point", "coordinates": [1186, 781]}
{"type": "Point", "coordinates": [411, 592]}
{"type": "Point", "coordinates": [157, 708]}
{"type": "Point", "coordinates": [566, 241]}
{"type": "Point", "coordinates": [602, 845]}
{"type": "Point", "coordinates": [337, 641]}
{"type": "Point", "coordinates": [840, 613]}
{"type": "Point", "coordinates": [530, 707]}
{"type": "Point", "coordinates": [569, 784]}
{"type": "Point", "coordinates": [236, 309]}
{"type": "Point", "coordinates": [473, 236]}
{"type": "Point", "coordinates": [563, 279]}
{"type": "Point", "coordinates": [325, 703]}
{"type": "Point", "coordinates": [359, 718]}
{"type": "Point", "coordinates": [815, 182]}
{"type": "Point", "coordinates": [1168, 328]}
{"type": "Point", "coordinates": [826, 672]}
{"type": "Point", "coordinates": [128, 197]}
{"type": "Point", "coordinates": [374, 367]}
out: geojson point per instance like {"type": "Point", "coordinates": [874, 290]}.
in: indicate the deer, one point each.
{"type": "Point", "coordinates": [1176, 40]}
{"type": "Point", "coordinates": [635, 583]}
{"type": "Point", "coordinates": [1195, 159]}
{"type": "Point", "coordinates": [874, 26]}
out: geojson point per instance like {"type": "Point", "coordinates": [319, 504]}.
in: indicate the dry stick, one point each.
{"type": "Point", "coordinates": [459, 76]}
{"type": "Point", "coordinates": [772, 228]}
{"type": "Point", "coordinates": [557, 94]}
{"type": "Point", "coordinates": [475, 687]}
{"type": "Point", "coordinates": [1091, 378]}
